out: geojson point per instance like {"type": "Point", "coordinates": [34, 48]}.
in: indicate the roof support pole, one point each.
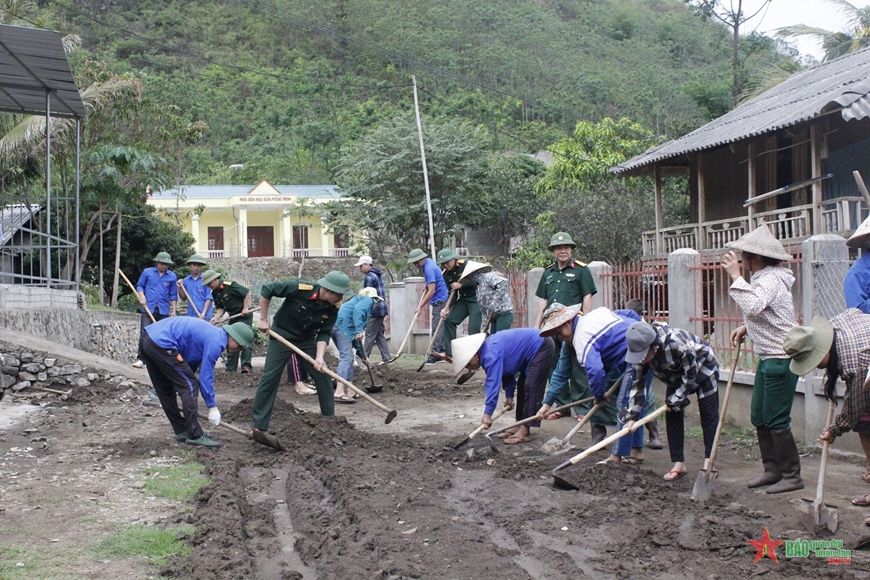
{"type": "Point", "coordinates": [660, 220]}
{"type": "Point", "coordinates": [818, 192]}
{"type": "Point", "coordinates": [751, 185]}
{"type": "Point", "coordinates": [78, 203]}
{"type": "Point", "coordinates": [48, 187]}
{"type": "Point", "coordinates": [702, 204]}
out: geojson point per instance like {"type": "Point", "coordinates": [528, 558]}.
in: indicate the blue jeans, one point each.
{"type": "Point", "coordinates": [345, 353]}
{"type": "Point", "coordinates": [624, 446]}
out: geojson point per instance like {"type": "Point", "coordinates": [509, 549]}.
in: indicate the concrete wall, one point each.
{"type": "Point", "coordinates": [16, 296]}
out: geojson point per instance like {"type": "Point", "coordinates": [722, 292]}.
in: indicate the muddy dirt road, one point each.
{"type": "Point", "coordinates": [354, 498]}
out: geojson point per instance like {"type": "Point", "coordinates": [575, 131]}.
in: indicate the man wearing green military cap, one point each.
{"type": "Point", "coordinates": [157, 292]}
{"type": "Point", "coordinates": [436, 294]}
{"type": "Point", "coordinates": [305, 319]}
{"type": "Point", "coordinates": [231, 298]}
{"type": "Point", "coordinates": [568, 282]}
{"type": "Point", "coordinates": [464, 304]}
{"type": "Point", "coordinates": [193, 291]}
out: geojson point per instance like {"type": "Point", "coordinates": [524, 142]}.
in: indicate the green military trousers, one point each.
{"type": "Point", "coordinates": [462, 309]}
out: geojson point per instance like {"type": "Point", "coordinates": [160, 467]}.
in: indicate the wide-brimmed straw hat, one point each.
{"type": "Point", "coordinates": [464, 350]}
{"type": "Point", "coordinates": [471, 267]}
{"type": "Point", "coordinates": [370, 293]}
{"type": "Point", "coordinates": [861, 237]}
{"type": "Point", "coordinates": [761, 243]}
{"type": "Point", "coordinates": [808, 345]}
{"type": "Point", "coordinates": [556, 315]}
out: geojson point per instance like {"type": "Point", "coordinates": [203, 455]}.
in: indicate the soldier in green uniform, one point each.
{"type": "Point", "coordinates": [464, 304]}
{"type": "Point", "coordinates": [567, 282]}
{"type": "Point", "coordinates": [305, 319]}
{"type": "Point", "coordinates": [232, 298]}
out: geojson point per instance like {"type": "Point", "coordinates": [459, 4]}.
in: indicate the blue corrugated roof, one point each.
{"type": "Point", "coordinates": [227, 191]}
{"type": "Point", "coordinates": [13, 217]}
{"type": "Point", "coordinates": [842, 84]}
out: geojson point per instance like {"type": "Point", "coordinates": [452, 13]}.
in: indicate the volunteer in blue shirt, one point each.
{"type": "Point", "coordinates": [193, 291]}
{"type": "Point", "coordinates": [436, 295]}
{"type": "Point", "coordinates": [172, 350]}
{"type": "Point", "coordinates": [502, 356]}
{"type": "Point", "coordinates": [347, 334]}
{"type": "Point", "coordinates": [157, 291]}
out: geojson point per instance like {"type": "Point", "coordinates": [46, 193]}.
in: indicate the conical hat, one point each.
{"type": "Point", "coordinates": [761, 243]}
{"type": "Point", "coordinates": [464, 350]}
{"type": "Point", "coordinates": [471, 267]}
{"type": "Point", "coordinates": [556, 315]}
{"type": "Point", "coordinates": [861, 237]}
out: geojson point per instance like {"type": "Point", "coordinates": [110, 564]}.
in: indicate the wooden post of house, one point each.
{"type": "Point", "coordinates": [660, 220]}
{"type": "Point", "coordinates": [816, 160]}
{"type": "Point", "coordinates": [751, 189]}
{"type": "Point", "coordinates": [702, 205]}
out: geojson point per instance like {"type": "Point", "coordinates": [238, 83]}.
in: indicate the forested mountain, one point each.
{"type": "Point", "coordinates": [283, 84]}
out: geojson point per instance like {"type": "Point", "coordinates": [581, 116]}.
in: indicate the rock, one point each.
{"type": "Point", "coordinates": [58, 381]}
{"type": "Point", "coordinates": [10, 361]}
{"type": "Point", "coordinates": [26, 376]}
{"type": "Point", "coordinates": [42, 377]}
{"type": "Point", "coordinates": [6, 381]}
{"type": "Point", "coordinates": [137, 484]}
{"type": "Point", "coordinates": [53, 371]}
{"type": "Point", "coordinates": [20, 386]}
{"type": "Point", "coordinates": [93, 377]}
{"type": "Point", "coordinates": [469, 454]}
{"type": "Point", "coordinates": [126, 385]}
{"type": "Point", "coordinates": [118, 379]}
{"type": "Point", "coordinates": [34, 367]}
{"type": "Point", "coordinates": [49, 362]}
{"type": "Point", "coordinates": [86, 422]}
{"type": "Point", "coordinates": [10, 370]}
{"type": "Point", "coordinates": [83, 382]}
{"type": "Point", "coordinates": [27, 357]}
{"type": "Point", "coordinates": [70, 370]}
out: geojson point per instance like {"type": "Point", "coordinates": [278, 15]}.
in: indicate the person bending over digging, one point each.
{"type": "Point", "coordinates": [502, 356]}
{"type": "Point", "coordinates": [768, 312]}
{"type": "Point", "coordinates": [493, 295]}
{"type": "Point", "coordinates": [305, 319]}
{"type": "Point", "coordinates": [172, 350]}
{"type": "Point", "coordinates": [348, 334]}
{"type": "Point", "coordinates": [687, 366]}
{"type": "Point", "coordinates": [839, 347]}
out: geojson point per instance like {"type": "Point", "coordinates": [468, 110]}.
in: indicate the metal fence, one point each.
{"type": "Point", "coordinates": [720, 316]}
{"type": "Point", "coordinates": [645, 280]}
{"type": "Point", "coordinates": [828, 277]}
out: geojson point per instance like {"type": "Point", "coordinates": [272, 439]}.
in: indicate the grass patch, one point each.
{"type": "Point", "coordinates": [41, 563]}
{"type": "Point", "coordinates": [178, 482]}
{"type": "Point", "coordinates": [152, 543]}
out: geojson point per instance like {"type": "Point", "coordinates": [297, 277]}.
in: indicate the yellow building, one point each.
{"type": "Point", "coordinates": [246, 221]}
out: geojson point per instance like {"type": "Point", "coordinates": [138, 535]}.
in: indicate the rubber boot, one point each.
{"type": "Point", "coordinates": [768, 460]}
{"type": "Point", "coordinates": [789, 462]}
{"type": "Point", "coordinates": [654, 441]}
{"type": "Point", "coordinates": [599, 432]}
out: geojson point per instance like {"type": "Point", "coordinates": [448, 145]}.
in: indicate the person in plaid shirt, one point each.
{"type": "Point", "coordinates": [375, 326]}
{"type": "Point", "coordinates": [768, 312]}
{"type": "Point", "coordinates": [839, 347]}
{"type": "Point", "coordinates": [687, 366]}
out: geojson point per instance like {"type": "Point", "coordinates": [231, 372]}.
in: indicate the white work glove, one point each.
{"type": "Point", "coordinates": [214, 416]}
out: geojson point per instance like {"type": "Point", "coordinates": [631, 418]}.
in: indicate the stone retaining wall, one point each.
{"type": "Point", "coordinates": [114, 335]}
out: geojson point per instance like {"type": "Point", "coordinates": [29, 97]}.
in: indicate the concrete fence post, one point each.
{"type": "Point", "coordinates": [532, 301]}
{"type": "Point", "coordinates": [685, 297]}
{"type": "Point", "coordinates": [601, 272]}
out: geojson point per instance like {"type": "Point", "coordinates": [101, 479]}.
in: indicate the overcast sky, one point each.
{"type": "Point", "coordinates": [787, 12]}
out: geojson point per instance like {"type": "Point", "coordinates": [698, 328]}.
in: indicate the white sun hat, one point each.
{"type": "Point", "coordinates": [370, 293]}
{"type": "Point", "coordinates": [464, 350]}
{"type": "Point", "coordinates": [761, 243]}
{"type": "Point", "coordinates": [471, 267]}
{"type": "Point", "coordinates": [861, 237]}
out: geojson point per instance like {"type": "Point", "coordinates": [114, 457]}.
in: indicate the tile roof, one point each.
{"type": "Point", "coordinates": [227, 191]}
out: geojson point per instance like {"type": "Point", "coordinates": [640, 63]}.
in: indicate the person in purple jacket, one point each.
{"type": "Point", "coordinates": [504, 355]}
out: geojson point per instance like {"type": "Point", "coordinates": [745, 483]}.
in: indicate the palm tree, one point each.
{"type": "Point", "coordinates": [855, 36]}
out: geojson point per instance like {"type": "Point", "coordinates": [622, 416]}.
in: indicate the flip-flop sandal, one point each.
{"type": "Point", "coordinates": [507, 434]}
{"type": "Point", "coordinates": [862, 500]}
{"type": "Point", "coordinates": [344, 399]}
{"type": "Point", "coordinates": [516, 439]}
{"type": "Point", "coordinates": [632, 460]}
{"type": "Point", "coordinates": [679, 474]}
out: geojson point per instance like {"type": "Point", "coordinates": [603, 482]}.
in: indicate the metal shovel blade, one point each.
{"type": "Point", "coordinates": [703, 485]}
{"type": "Point", "coordinates": [464, 378]}
{"type": "Point", "coordinates": [374, 389]}
{"type": "Point", "coordinates": [267, 439]}
{"type": "Point", "coordinates": [816, 515]}
{"type": "Point", "coordinates": [560, 481]}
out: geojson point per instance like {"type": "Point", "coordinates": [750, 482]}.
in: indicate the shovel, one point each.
{"type": "Point", "coordinates": [435, 334]}
{"type": "Point", "coordinates": [477, 431]}
{"type": "Point", "coordinates": [373, 388]}
{"type": "Point", "coordinates": [555, 446]}
{"type": "Point", "coordinates": [706, 476]}
{"type": "Point", "coordinates": [391, 413]}
{"type": "Point", "coordinates": [136, 293]}
{"type": "Point", "coordinates": [529, 420]}
{"type": "Point", "coordinates": [407, 334]}
{"type": "Point", "coordinates": [560, 481]}
{"type": "Point", "coordinates": [817, 513]}
{"type": "Point", "coordinates": [259, 436]}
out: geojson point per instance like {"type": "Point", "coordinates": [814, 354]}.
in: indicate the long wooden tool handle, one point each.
{"type": "Point", "coordinates": [440, 322]}
{"type": "Point", "coordinates": [591, 412]}
{"type": "Point", "coordinates": [537, 417]}
{"type": "Point", "coordinates": [477, 431]}
{"type": "Point", "coordinates": [328, 372]}
{"type": "Point", "coordinates": [225, 425]}
{"type": "Point", "coordinates": [237, 315]}
{"type": "Point", "coordinates": [486, 324]}
{"type": "Point", "coordinates": [133, 288]}
{"type": "Point", "coordinates": [861, 186]}
{"type": "Point", "coordinates": [823, 465]}
{"type": "Point", "coordinates": [618, 435]}
{"type": "Point", "coordinates": [190, 303]}
{"type": "Point", "coordinates": [709, 463]}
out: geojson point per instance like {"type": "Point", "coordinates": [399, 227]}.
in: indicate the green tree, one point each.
{"type": "Point", "coordinates": [854, 37]}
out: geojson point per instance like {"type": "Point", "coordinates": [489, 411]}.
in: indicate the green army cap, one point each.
{"type": "Point", "coordinates": [209, 275]}
{"type": "Point", "coordinates": [416, 255]}
{"type": "Point", "coordinates": [446, 255]}
{"type": "Point", "coordinates": [242, 333]}
{"type": "Point", "coordinates": [561, 239]}
{"type": "Point", "coordinates": [163, 258]}
{"type": "Point", "coordinates": [196, 259]}
{"type": "Point", "coordinates": [336, 281]}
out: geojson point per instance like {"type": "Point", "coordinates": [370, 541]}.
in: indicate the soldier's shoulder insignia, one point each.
{"type": "Point", "coordinates": [306, 286]}
{"type": "Point", "coordinates": [551, 266]}
{"type": "Point", "coordinates": [227, 283]}
{"type": "Point", "coordinates": [581, 264]}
